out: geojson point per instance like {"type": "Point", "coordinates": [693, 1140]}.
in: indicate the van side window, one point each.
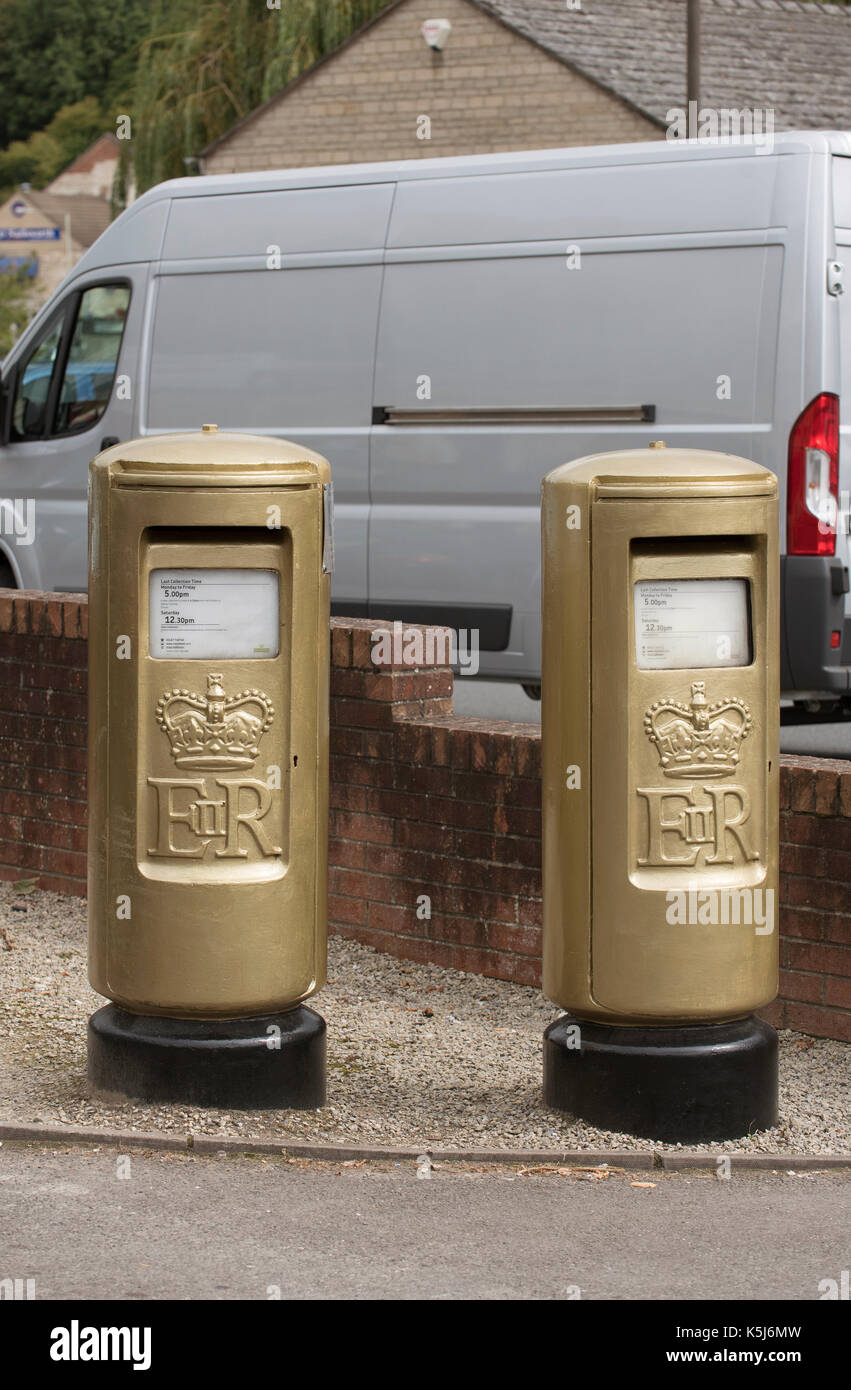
{"type": "Point", "coordinates": [92, 358]}
{"type": "Point", "coordinates": [67, 379]}
{"type": "Point", "coordinates": [30, 408]}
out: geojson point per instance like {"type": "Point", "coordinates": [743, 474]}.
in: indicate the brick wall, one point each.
{"type": "Point", "coordinates": [424, 806]}
{"type": "Point", "coordinates": [490, 90]}
{"type": "Point", "coordinates": [43, 669]}
{"type": "Point", "coordinates": [815, 897]}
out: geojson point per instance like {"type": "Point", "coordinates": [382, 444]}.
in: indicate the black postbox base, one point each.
{"type": "Point", "coordinates": [276, 1061]}
{"type": "Point", "coordinates": [684, 1085]}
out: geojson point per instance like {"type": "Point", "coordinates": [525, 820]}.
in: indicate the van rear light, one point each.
{"type": "Point", "coordinates": [812, 480]}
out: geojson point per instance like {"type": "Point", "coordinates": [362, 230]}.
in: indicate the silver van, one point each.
{"type": "Point", "coordinates": [447, 331]}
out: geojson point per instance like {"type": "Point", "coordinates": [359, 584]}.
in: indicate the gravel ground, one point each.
{"type": "Point", "coordinates": [417, 1055]}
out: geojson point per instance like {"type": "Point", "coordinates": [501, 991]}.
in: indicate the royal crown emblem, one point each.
{"type": "Point", "coordinates": [214, 731]}
{"type": "Point", "coordinates": [698, 739]}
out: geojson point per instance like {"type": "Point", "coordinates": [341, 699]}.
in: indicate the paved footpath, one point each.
{"type": "Point", "coordinates": [104, 1224]}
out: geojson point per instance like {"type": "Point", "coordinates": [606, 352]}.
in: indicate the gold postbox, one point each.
{"type": "Point", "coordinates": [208, 716]}
{"type": "Point", "coordinates": [660, 737]}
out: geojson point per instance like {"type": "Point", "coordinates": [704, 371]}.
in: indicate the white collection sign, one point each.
{"type": "Point", "coordinates": [685, 624]}
{"type": "Point", "coordinates": [209, 613]}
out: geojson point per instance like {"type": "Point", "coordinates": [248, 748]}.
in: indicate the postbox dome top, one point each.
{"type": "Point", "coordinates": [639, 472]}
{"type": "Point", "coordinates": [210, 448]}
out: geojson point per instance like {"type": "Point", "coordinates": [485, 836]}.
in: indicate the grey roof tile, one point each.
{"type": "Point", "coordinates": [783, 54]}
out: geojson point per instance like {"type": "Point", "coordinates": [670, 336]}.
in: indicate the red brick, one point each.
{"type": "Point", "coordinates": [523, 820]}
{"type": "Point", "coordinates": [502, 753]}
{"type": "Point", "coordinates": [472, 815]}
{"type": "Point", "coordinates": [411, 743]}
{"type": "Point", "coordinates": [352, 910]}
{"type": "Point", "coordinates": [64, 704]}
{"type": "Point", "coordinates": [478, 786]}
{"type": "Point", "coordinates": [27, 614]}
{"type": "Point", "coordinates": [347, 798]}
{"type": "Point", "coordinates": [826, 792]}
{"type": "Point", "coordinates": [351, 825]}
{"type": "Point", "coordinates": [477, 961]}
{"type": "Point", "coordinates": [346, 682]}
{"type": "Point", "coordinates": [802, 922]}
{"type": "Point", "coordinates": [362, 647]}
{"type": "Point", "coordinates": [358, 714]}
{"type": "Point", "coordinates": [527, 971]}
{"type": "Point", "coordinates": [424, 781]}
{"type": "Point", "coordinates": [527, 756]}
{"type": "Point", "coordinates": [530, 912]}
{"type": "Point", "coordinates": [794, 984]}
{"type": "Point", "coordinates": [341, 644]}
{"type": "Point", "coordinates": [66, 862]}
{"type": "Point", "coordinates": [471, 902]}
{"type": "Point", "coordinates": [845, 794]}
{"type": "Point", "coordinates": [57, 834]}
{"type": "Point", "coordinates": [74, 887]}
{"type": "Point", "coordinates": [346, 742]}
{"type": "Point", "coordinates": [821, 893]}
{"type": "Point", "coordinates": [819, 957]}
{"type": "Point", "coordinates": [801, 859]}
{"type": "Point", "coordinates": [462, 931]}
{"type": "Point", "coordinates": [361, 771]}
{"type": "Point", "coordinates": [523, 941]}
{"type": "Point", "coordinates": [837, 992]}
{"type": "Point", "coordinates": [350, 853]}
{"type": "Point", "coordinates": [820, 1021]}
{"type": "Point", "coordinates": [437, 839]}
{"type": "Point", "coordinates": [378, 743]}
{"type": "Point", "coordinates": [838, 867]}
{"type": "Point", "coordinates": [834, 832]}
{"type": "Point", "coordinates": [52, 618]}
{"type": "Point", "coordinates": [386, 801]}
{"type": "Point", "coordinates": [480, 751]}
{"type": "Point", "coordinates": [353, 883]}
{"type": "Point", "coordinates": [396, 863]}
{"type": "Point", "coordinates": [440, 747]}
{"type": "Point", "coordinates": [523, 791]}
{"type": "Point", "coordinates": [385, 916]}
{"type": "Point", "coordinates": [837, 927]}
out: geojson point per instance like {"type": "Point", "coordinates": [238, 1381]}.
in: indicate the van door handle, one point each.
{"type": "Point", "coordinates": [108, 441]}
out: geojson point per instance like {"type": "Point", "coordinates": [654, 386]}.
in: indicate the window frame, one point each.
{"type": "Point", "coordinates": [68, 311]}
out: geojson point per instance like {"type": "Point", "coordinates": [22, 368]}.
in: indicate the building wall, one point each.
{"type": "Point", "coordinates": [421, 802]}
{"type": "Point", "coordinates": [55, 258]}
{"type": "Point", "coordinates": [489, 90]}
{"type": "Point", "coordinates": [95, 181]}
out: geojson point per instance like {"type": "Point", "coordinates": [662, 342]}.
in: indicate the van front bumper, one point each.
{"type": "Point", "coordinates": [813, 590]}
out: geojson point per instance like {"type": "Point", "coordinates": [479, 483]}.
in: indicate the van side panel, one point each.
{"type": "Point", "coordinates": [265, 321]}
{"type": "Point", "coordinates": [685, 322]}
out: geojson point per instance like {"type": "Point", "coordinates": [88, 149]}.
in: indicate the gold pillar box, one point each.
{"type": "Point", "coordinates": [660, 736]}
{"type": "Point", "coordinates": [208, 716]}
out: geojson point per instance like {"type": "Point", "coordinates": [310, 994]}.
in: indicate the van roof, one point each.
{"type": "Point", "coordinates": [145, 237]}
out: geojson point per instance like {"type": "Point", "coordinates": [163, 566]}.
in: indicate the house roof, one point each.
{"type": "Point", "coordinates": [790, 56]}
{"type": "Point", "coordinates": [106, 146]}
{"type": "Point", "coordinates": [89, 216]}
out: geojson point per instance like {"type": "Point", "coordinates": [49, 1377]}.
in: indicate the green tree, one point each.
{"type": "Point", "coordinates": [41, 157]}
{"type": "Point", "coordinates": [15, 308]}
{"type": "Point", "coordinates": [52, 56]}
{"type": "Point", "coordinates": [206, 65]}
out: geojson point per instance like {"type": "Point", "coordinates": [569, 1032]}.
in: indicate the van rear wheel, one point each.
{"type": "Point", "coordinates": [533, 689]}
{"type": "Point", "coordinates": [7, 578]}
